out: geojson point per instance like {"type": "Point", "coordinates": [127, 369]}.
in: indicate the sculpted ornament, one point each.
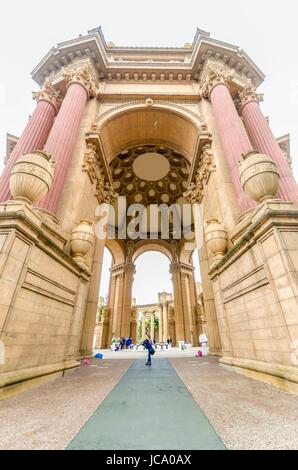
{"type": "Point", "coordinates": [249, 94]}
{"type": "Point", "coordinates": [171, 313]}
{"type": "Point", "coordinates": [215, 76]}
{"type": "Point", "coordinates": [83, 76]}
{"type": "Point", "coordinates": [92, 165]}
{"type": "Point", "coordinates": [195, 192]}
{"type": "Point", "coordinates": [48, 93]}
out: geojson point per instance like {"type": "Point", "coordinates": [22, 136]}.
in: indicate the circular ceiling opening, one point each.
{"type": "Point", "coordinates": [151, 166]}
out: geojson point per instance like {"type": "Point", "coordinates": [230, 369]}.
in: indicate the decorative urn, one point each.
{"type": "Point", "coordinates": [81, 240]}
{"type": "Point", "coordinates": [31, 177]}
{"type": "Point", "coordinates": [216, 238]}
{"type": "Point", "coordinates": [259, 176]}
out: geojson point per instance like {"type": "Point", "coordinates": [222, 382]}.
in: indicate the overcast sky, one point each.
{"type": "Point", "coordinates": [266, 30]}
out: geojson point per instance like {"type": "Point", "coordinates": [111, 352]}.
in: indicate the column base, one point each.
{"type": "Point", "coordinates": [280, 376]}
{"type": "Point", "coordinates": [16, 382]}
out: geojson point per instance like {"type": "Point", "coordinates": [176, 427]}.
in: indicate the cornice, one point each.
{"type": "Point", "coordinates": [189, 67]}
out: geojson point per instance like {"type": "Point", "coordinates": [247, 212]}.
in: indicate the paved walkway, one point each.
{"type": "Point", "coordinates": [121, 404]}
{"type": "Point", "coordinates": [150, 408]}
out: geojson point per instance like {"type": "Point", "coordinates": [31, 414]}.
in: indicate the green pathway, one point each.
{"type": "Point", "coordinates": [150, 408]}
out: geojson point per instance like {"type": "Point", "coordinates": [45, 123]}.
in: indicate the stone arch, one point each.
{"type": "Point", "coordinates": [117, 251]}
{"type": "Point", "coordinates": [185, 255]}
{"type": "Point", "coordinates": [162, 123]}
{"type": "Point", "coordinates": [144, 246]}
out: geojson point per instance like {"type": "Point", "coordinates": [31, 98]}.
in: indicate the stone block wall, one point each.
{"type": "Point", "coordinates": [255, 289]}
{"type": "Point", "coordinates": [43, 297]}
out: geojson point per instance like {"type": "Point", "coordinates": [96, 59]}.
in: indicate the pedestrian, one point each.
{"type": "Point", "coordinates": [147, 345]}
{"type": "Point", "coordinates": [122, 343]}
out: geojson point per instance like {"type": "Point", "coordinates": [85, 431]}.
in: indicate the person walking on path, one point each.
{"type": "Point", "coordinates": [147, 345]}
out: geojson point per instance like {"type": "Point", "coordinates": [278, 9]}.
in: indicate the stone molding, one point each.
{"type": "Point", "coordinates": [195, 192]}
{"type": "Point", "coordinates": [118, 270]}
{"type": "Point", "coordinates": [50, 94]}
{"type": "Point", "coordinates": [132, 64]}
{"type": "Point", "coordinates": [157, 104]}
{"type": "Point", "coordinates": [82, 75]}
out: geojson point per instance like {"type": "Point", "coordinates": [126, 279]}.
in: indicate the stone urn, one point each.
{"type": "Point", "coordinates": [259, 176]}
{"type": "Point", "coordinates": [31, 177]}
{"type": "Point", "coordinates": [81, 240]}
{"type": "Point", "coordinates": [216, 238]}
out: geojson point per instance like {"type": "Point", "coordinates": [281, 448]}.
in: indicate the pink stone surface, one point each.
{"type": "Point", "coordinates": [264, 141]}
{"type": "Point", "coordinates": [33, 138]}
{"type": "Point", "coordinates": [234, 138]}
{"type": "Point", "coordinates": [61, 141]}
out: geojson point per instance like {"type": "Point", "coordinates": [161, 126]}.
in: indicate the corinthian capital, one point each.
{"type": "Point", "coordinates": [82, 75]}
{"type": "Point", "coordinates": [214, 76]}
{"type": "Point", "coordinates": [247, 95]}
{"type": "Point", "coordinates": [48, 93]}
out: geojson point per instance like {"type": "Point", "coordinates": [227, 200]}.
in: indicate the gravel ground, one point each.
{"type": "Point", "coordinates": [50, 415]}
{"type": "Point", "coordinates": [247, 414]}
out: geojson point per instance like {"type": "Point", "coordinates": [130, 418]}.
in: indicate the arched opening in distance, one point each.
{"type": "Point", "coordinates": [151, 289]}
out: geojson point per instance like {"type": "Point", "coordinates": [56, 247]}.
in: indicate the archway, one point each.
{"type": "Point", "coordinates": [153, 294]}
{"type": "Point", "coordinates": [132, 137]}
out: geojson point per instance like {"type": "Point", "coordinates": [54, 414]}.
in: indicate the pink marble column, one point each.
{"type": "Point", "coordinates": [33, 138]}
{"type": "Point", "coordinates": [62, 138]}
{"type": "Point", "coordinates": [233, 136]}
{"type": "Point", "coordinates": [264, 141]}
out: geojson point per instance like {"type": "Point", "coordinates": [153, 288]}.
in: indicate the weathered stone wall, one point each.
{"type": "Point", "coordinates": [255, 290]}
{"type": "Point", "coordinates": [43, 295]}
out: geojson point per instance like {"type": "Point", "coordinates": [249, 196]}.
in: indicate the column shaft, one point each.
{"type": "Point", "coordinates": [264, 141]}
{"type": "Point", "coordinates": [143, 326]}
{"type": "Point", "coordinates": [127, 296]}
{"type": "Point", "coordinates": [118, 307]}
{"type": "Point", "coordinates": [92, 302]}
{"type": "Point", "coordinates": [164, 314]}
{"type": "Point", "coordinates": [234, 138]}
{"type": "Point", "coordinates": [186, 307]}
{"type": "Point", "coordinates": [161, 326]}
{"type": "Point", "coordinates": [178, 305]}
{"type": "Point", "coordinates": [62, 138]}
{"type": "Point", "coordinates": [152, 326]}
{"type": "Point", "coordinates": [33, 138]}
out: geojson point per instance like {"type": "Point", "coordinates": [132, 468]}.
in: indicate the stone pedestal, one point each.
{"type": "Point", "coordinates": [256, 296]}
{"type": "Point", "coordinates": [43, 294]}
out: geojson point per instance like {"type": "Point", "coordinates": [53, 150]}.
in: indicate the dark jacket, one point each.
{"type": "Point", "coordinates": [147, 344]}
